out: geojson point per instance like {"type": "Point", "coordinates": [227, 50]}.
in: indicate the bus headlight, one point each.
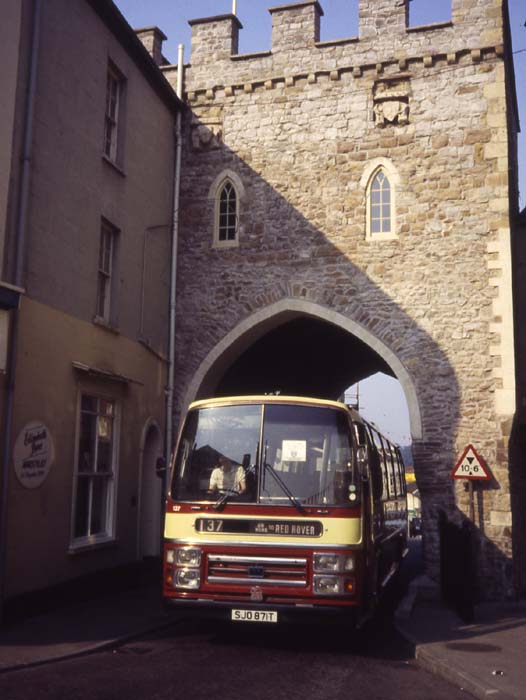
{"type": "Point", "coordinates": [327, 585]}
{"type": "Point", "coordinates": [188, 556]}
{"type": "Point", "coordinates": [187, 578]}
{"type": "Point", "coordinates": [325, 562]}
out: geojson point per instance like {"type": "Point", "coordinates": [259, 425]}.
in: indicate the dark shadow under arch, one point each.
{"type": "Point", "coordinates": [303, 356]}
{"type": "Point", "coordinates": [299, 347]}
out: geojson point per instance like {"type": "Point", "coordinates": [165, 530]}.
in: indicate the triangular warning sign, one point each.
{"type": "Point", "coordinates": [470, 466]}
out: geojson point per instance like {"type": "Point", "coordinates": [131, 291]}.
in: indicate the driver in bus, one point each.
{"type": "Point", "coordinates": [226, 477]}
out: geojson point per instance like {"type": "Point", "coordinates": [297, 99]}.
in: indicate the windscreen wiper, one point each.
{"type": "Point", "coordinates": [285, 488]}
{"type": "Point", "coordinates": [224, 498]}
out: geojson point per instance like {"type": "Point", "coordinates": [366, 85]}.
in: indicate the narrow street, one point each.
{"type": "Point", "coordinates": [194, 659]}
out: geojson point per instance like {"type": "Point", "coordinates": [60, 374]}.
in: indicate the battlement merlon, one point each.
{"type": "Point", "coordinates": [214, 38]}
{"type": "Point", "coordinates": [295, 25]}
{"type": "Point", "coordinates": [376, 17]}
{"type": "Point", "coordinates": [484, 16]}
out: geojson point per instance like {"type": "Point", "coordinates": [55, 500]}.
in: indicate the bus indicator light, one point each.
{"type": "Point", "coordinates": [349, 585]}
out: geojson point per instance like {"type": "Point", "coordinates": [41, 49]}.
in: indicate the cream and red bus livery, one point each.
{"type": "Point", "coordinates": [282, 506]}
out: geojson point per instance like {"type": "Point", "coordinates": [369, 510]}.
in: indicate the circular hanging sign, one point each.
{"type": "Point", "coordinates": [33, 454]}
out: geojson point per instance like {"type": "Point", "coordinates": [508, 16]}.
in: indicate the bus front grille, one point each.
{"type": "Point", "coordinates": [257, 571]}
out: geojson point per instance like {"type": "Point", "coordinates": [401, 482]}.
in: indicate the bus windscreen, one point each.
{"type": "Point", "coordinates": [276, 454]}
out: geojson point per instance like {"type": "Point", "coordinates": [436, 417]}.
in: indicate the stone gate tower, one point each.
{"type": "Point", "coordinates": [345, 208]}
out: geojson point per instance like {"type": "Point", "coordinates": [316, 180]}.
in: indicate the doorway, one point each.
{"type": "Point", "coordinates": [149, 536]}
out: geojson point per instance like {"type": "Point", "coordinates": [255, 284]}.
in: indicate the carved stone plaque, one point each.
{"type": "Point", "coordinates": [206, 131]}
{"type": "Point", "coordinates": [391, 101]}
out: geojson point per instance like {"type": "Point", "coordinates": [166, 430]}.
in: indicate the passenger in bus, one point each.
{"type": "Point", "coordinates": [226, 477]}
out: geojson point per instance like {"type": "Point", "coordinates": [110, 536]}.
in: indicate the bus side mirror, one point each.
{"type": "Point", "coordinates": [160, 467]}
{"type": "Point", "coordinates": [361, 456]}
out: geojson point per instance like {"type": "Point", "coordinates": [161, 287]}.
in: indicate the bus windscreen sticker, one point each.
{"type": "Point", "coordinates": [294, 451]}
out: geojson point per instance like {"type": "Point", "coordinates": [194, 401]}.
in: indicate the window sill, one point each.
{"type": "Point", "coordinates": [106, 325]}
{"type": "Point", "coordinates": [218, 245]}
{"type": "Point", "coordinates": [90, 544]}
{"type": "Point", "coordinates": [113, 164]}
{"type": "Point", "coordinates": [381, 237]}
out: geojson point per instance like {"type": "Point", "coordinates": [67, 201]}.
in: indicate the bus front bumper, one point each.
{"type": "Point", "coordinates": [240, 612]}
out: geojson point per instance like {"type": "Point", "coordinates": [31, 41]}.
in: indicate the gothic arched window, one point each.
{"type": "Point", "coordinates": [226, 225]}
{"type": "Point", "coordinates": [227, 212]}
{"type": "Point", "coordinates": [380, 181]}
{"type": "Point", "coordinates": [228, 193]}
{"type": "Point", "coordinates": [380, 203]}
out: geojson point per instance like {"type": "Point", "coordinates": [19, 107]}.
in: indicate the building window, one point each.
{"type": "Point", "coordinates": [380, 204]}
{"type": "Point", "coordinates": [114, 113]}
{"type": "Point", "coordinates": [95, 472]}
{"type": "Point", "coordinates": [380, 181]}
{"type": "Point", "coordinates": [228, 193]}
{"type": "Point", "coordinates": [227, 215]}
{"type": "Point", "coordinates": [106, 307]}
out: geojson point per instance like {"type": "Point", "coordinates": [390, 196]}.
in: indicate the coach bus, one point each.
{"type": "Point", "coordinates": [280, 507]}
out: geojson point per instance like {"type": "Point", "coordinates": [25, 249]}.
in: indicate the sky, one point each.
{"type": "Point", "coordinates": [381, 401]}
{"type": "Point", "coordinates": [340, 20]}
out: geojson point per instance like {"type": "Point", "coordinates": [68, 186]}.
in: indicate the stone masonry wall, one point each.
{"type": "Point", "coordinates": [302, 129]}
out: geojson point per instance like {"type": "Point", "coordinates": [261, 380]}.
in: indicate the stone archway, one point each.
{"type": "Point", "coordinates": [254, 327]}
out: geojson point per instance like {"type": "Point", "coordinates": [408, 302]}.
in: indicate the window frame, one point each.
{"type": "Point", "coordinates": [220, 215]}
{"type": "Point", "coordinates": [380, 186]}
{"type": "Point", "coordinates": [227, 178]}
{"type": "Point", "coordinates": [228, 214]}
{"type": "Point", "coordinates": [107, 276]}
{"type": "Point", "coordinates": [114, 109]}
{"type": "Point", "coordinates": [368, 181]}
{"type": "Point", "coordinates": [109, 508]}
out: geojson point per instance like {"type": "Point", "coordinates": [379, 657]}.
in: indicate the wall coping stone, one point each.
{"type": "Point", "coordinates": [337, 42]}
{"type": "Point", "coordinates": [153, 30]}
{"type": "Point", "coordinates": [429, 27]}
{"type": "Point", "coordinates": [215, 18]}
{"type": "Point", "coordinates": [294, 5]}
{"type": "Point", "coordinates": [255, 54]}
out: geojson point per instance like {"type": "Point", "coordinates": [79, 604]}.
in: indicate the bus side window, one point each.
{"type": "Point", "coordinates": [396, 472]}
{"type": "Point", "coordinates": [375, 468]}
{"type": "Point", "coordinates": [383, 466]}
{"type": "Point", "coordinates": [401, 473]}
{"type": "Point", "coordinates": [391, 470]}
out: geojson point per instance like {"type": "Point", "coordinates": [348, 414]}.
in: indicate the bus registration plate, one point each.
{"type": "Point", "coordinates": [254, 615]}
